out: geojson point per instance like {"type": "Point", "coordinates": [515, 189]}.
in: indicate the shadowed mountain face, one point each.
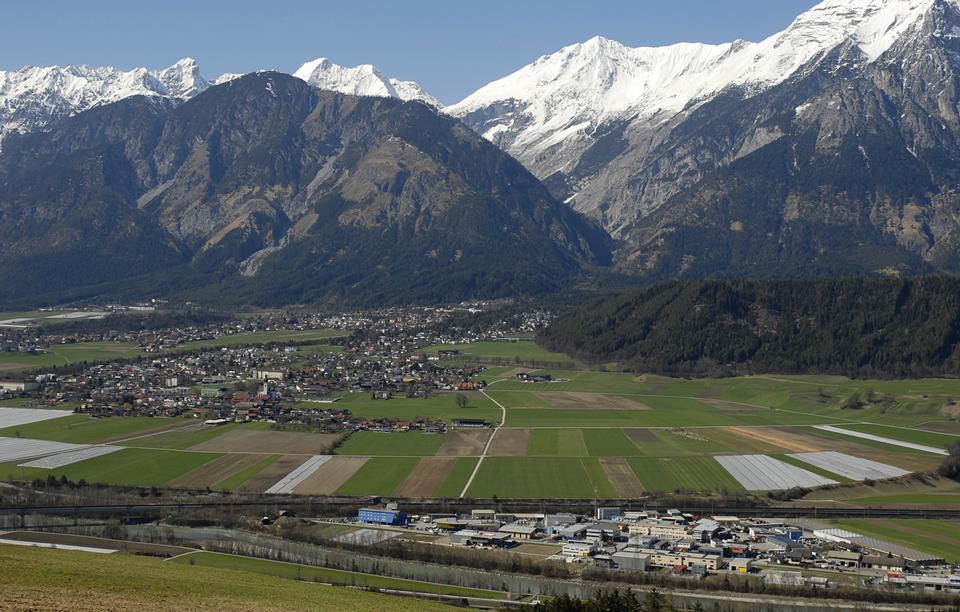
{"type": "Point", "coordinates": [266, 190]}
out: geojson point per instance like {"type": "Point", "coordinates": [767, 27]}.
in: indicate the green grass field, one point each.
{"type": "Point", "coordinates": [940, 538]}
{"type": "Point", "coordinates": [609, 443]}
{"type": "Point", "coordinates": [181, 439]}
{"type": "Point", "coordinates": [407, 444]}
{"type": "Point", "coordinates": [598, 478]}
{"type": "Point", "coordinates": [129, 467]}
{"type": "Point", "coordinates": [457, 478]}
{"type": "Point", "coordinates": [532, 477]}
{"type": "Point", "coordinates": [683, 473]}
{"type": "Point", "coordinates": [379, 476]}
{"type": "Point", "coordinates": [83, 429]}
{"type": "Point", "coordinates": [522, 350]}
{"type": "Point", "coordinates": [442, 407]}
{"type": "Point", "coordinates": [66, 354]}
{"type": "Point", "coordinates": [46, 579]}
{"type": "Point", "coordinates": [557, 443]}
{"type": "Point", "coordinates": [265, 337]}
{"type": "Point", "coordinates": [308, 573]}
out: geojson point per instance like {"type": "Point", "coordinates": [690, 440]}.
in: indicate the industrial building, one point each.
{"type": "Point", "coordinates": [382, 516]}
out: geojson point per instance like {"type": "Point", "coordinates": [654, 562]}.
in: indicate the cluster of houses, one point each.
{"type": "Point", "coordinates": [684, 544]}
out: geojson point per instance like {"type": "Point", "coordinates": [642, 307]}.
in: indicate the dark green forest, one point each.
{"type": "Point", "coordinates": [852, 327]}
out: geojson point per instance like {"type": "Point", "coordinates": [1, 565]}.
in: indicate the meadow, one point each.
{"type": "Point", "coordinates": [441, 407]}
{"type": "Point", "coordinates": [335, 577]}
{"type": "Point", "coordinates": [265, 337]}
{"type": "Point", "coordinates": [66, 354]}
{"type": "Point", "coordinates": [54, 579]}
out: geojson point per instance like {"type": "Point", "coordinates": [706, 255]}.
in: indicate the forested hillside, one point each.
{"type": "Point", "coordinates": [862, 327]}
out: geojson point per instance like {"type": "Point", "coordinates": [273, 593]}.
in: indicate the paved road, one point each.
{"type": "Point", "coordinates": [486, 449]}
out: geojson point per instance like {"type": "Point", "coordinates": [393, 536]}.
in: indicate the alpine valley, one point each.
{"type": "Point", "coordinates": [829, 149]}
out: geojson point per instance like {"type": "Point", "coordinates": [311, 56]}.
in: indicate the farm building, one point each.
{"type": "Point", "coordinates": [18, 386]}
{"type": "Point", "coordinates": [382, 516]}
{"type": "Point", "coordinates": [469, 423]}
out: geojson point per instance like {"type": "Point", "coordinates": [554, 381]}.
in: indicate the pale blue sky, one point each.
{"type": "Point", "coordinates": [450, 47]}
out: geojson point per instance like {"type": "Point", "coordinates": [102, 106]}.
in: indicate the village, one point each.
{"type": "Point", "coordinates": [285, 383]}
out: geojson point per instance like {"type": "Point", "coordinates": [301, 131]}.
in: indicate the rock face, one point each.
{"type": "Point", "coordinates": [829, 148]}
{"type": "Point", "coordinates": [267, 190]}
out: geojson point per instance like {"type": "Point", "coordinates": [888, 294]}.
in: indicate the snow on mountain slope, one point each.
{"type": "Point", "coordinates": [364, 80]}
{"type": "Point", "coordinates": [32, 98]}
{"type": "Point", "coordinates": [566, 95]}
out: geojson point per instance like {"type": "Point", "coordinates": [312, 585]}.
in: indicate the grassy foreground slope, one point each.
{"type": "Point", "coordinates": [43, 579]}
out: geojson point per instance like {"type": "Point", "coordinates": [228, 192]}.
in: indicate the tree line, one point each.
{"type": "Point", "coordinates": [853, 327]}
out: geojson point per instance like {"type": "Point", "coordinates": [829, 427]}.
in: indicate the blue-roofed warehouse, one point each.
{"type": "Point", "coordinates": [382, 516]}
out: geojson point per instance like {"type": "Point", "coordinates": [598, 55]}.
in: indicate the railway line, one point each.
{"type": "Point", "coordinates": [345, 506]}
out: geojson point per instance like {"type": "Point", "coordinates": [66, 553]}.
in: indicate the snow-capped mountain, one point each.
{"type": "Point", "coordinates": [364, 80]}
{"type": "Point", "coordinates": [34, 97]}
{"type": "Point", "coordinates": [551, 113]}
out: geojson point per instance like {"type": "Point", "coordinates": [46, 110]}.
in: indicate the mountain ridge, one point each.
{"type": "Point", "coordinates": [267, 190]}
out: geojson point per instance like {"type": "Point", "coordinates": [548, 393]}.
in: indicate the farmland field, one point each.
{"type": "Point", "coordinates": [609, 443]}
{"type": "Point", "coordinates": [53, 580]}
{"type": "Point", "coordinates": [82, 429]}
{"type": "Point", "coordinates": [374, 444]}
{"type": "Point", "coordinates": [935, 537]}
{"type": "Point", "coordinates": [379, 476]}
{"type": "Point", "coordinates": [936, 440]}
{"type": "Point", "coordinates": [235, 480]}
{"type": "Point", "coordinates": [181, 438]}
{"type": "Point", "coordinates": [683, 473]}
{"type": "Point", "coordinates": [442, 406]}
{"type": "Point", "coordinates": [532, 477]}
{"type": "Point", "coordinates": [457, 478]}
{"type": "Point", "coordinates": [66, 354]}
{"type": "Point", "coordinates": [613, 434]}
{"type": "Point", "coordinates": [265, 337]}
{"type": "Point", "coordinates": [557, 443]}
{"type": "Point", "coordinates": [131, 467]}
